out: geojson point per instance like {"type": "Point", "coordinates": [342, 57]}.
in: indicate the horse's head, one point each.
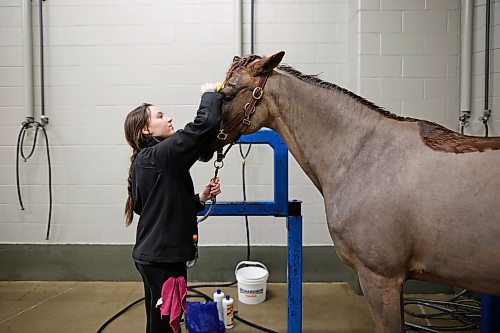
{"type": "Point", "coordinates": [241, 91]}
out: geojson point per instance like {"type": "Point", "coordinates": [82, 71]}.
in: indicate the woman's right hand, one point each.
{"type": "Point", "coordinates": [210, 86]}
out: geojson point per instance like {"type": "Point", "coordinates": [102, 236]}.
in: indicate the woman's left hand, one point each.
{"type": "Point", "coordinates": [212, 188]}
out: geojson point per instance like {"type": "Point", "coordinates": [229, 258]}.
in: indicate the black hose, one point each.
{"type": "Point", "coordinates": [122, 311]}
{"type": "Point", "coordinates": [49, 167]}
{"type": "Point", "coordinates": [243, 178]}
{"type": "Point", "coordinates": [20, 152]}
{"type": "Point", "coordinates": [466, 311]}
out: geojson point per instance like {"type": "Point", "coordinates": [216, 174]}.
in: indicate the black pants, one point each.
{"type": "Point", "coordinates": [154, 275]}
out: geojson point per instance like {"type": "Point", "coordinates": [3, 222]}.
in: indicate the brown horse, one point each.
{"type": "Point", "coordinates": [404, 198]}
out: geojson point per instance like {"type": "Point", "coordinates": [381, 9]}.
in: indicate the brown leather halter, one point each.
{"type": "Point", "coordinates": [249, 110]}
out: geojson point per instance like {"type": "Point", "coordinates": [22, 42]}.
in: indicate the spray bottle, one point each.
{"type": "Point", "coordinates": [218, 297]}
{"type": "Point", "coordinates": [227, 305]}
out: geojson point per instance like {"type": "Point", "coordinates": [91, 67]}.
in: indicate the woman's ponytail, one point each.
{"type": "Point", "coordinates": [135, 122]}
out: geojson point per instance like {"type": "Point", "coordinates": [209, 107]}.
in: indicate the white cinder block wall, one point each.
{"type": "Point", "coordinates": [104, 57]}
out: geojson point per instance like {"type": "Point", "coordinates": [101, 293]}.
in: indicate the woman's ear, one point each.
{"type": "Point", "coordinates": [146, 131]}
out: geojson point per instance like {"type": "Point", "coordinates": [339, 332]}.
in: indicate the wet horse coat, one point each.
{"type": "Point", "coordinates": [404, 198]}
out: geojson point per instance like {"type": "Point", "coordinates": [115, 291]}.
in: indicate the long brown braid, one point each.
{"type": "Point", "coordinates": [135, 122]}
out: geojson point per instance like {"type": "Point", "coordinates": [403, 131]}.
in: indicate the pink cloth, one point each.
{"type": "Point", "coordinates": [173, 295]}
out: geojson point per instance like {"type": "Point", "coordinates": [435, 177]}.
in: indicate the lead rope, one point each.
{"type": "Point", "coordinates": [218, 164]}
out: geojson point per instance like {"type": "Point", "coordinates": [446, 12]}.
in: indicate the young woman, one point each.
{"type": "Point", "coordinates": [160, 190]}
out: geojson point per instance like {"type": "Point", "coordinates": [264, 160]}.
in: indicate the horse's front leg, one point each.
{"type": "Point", "coordinates": [384, 296]}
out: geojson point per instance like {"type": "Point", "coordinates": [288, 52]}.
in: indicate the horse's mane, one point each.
{"type": "Point", "coordinates": [432, 135]}
{"type": "Point", "coordinates": [320, 83]}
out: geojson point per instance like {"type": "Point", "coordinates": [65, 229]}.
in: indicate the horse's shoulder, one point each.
{"type": "Point", "coordinates": [440, 138]}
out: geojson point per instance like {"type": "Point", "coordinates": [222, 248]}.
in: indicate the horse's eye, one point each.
{"type": "Point", "coordinates": [228, 97]}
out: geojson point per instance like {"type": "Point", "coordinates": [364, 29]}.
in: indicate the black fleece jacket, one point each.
{"type": "Point", "coordinates": [163, 191]}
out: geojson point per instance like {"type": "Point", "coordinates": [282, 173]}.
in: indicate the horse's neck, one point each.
{"type": "Point", "coordinates": [323, 128]}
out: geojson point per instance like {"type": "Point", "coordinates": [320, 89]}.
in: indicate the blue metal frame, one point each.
{"type": "Point", "coordinates": [280, 208]}
{"type": "Point", "coordinates": [490, 313]}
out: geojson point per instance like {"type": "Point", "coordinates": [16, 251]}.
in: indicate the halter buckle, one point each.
{"type": "Point", "coordinates": [222, 136]}
{"type": "Point", "coordinates": [246, 121]}
{"type": "Point", "coordinates": [257, 93]}
{"type": "Point", "coordinates": [246, 107]}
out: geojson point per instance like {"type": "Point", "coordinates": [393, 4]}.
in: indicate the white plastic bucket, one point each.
{"type": "Point", "coordinates": [252, 281]}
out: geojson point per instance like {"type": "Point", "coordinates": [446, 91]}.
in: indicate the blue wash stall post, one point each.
{"type": "Point", "coordinates": [279, 207]}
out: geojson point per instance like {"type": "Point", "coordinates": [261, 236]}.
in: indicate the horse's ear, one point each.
{"type": "Point", "coordinates": [266, 64]}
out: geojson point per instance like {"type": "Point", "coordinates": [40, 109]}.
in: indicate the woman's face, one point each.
{"type": "Point", "coordinates": [159, 124]}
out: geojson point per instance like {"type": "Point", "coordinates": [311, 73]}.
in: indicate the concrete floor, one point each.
{"type": "Point", "coordinates": [52, 307]}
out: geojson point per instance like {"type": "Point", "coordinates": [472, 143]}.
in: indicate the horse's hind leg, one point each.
{"type": "Point", "coordinates": [384, 296]}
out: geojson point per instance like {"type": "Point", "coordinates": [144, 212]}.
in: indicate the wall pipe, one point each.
{"type": "Point", "coordinates": [43, 118]}
{"type": "Point", "coordinates": [252, 25]}
{"type": "Point", "coordinates": [238, 24]}
{"type": "Point", "coordinates": [465, 62]}
{"type": "Point", "coordinates": [28, 60]}
{"type": "Point", "coordinates": [486, 111]}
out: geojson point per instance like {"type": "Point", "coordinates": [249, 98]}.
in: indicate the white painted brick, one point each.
{"type": "Point", "coordinates": [442, 44]}
{"type": "Point", "coordinates": [270, 33]}
{"type": "Point", "coordinates": [428, 110]}
{"type": "Point", "coordinates": [288, 13]}
{"type": "Point", "coordinates": [495, 37]}
{"type": "Point", "coordinates": [272, 232]}
{"type": "Point", "coordinates": [194, 33]}
{"type": "Point", "coordinates": [210, 13]}
{"type": "Point", "coordinates": [373, 21]}
{"type": "Point", "coordinates": [11, 56]}
{"type": "Point", "coordinates": [11, 36]}
{"type": "Point", "coordinates": [101, 63]}
{"type": "Point", "coordinates": [369, 4]}
{"type": "Point", "coordinates": [316, 234]}
{"type": "Point", "coordinates": [331, 12]}
{"type": "Point", "coordinates": [10, 3]}
{"type": "Point", "coordinates": [370, 43]}
{"type": "Point", "coordinates": [264, 13]}
{"type": "Point", "coordinates": [110, 15]}
{"type": "Point", "coordinates": [442, 4]}
{"type": "Point", "coordinates": [294, 52]}
{"type": "Point", "coordinates": [110, 35]}
{"type": "Point", "coordinates": [10, 16]}
{"type": "Point", "coordinates": [341, 74]}
{"type": "Point", "coordinates": [22, 232]}
{"type": "Point", "coordinates": [391, 106]}
{"type": "Point", "coordinates": [12, 116]}
{"type": "Point", "coordinates": [424, 66]}
{"type": "Point", "coordinates": [441, 89]}
{"type": "Point", "coordinates": [424, 21]}
{"type": "Point", "coordinates": [453, 24]}
{"type": "Point", "coordinates": [402, 4]}
{"type": "Point", "coordinates": [380, 66]}
{"type": "Point", "coordinates": [452, 115]}
{"type": "Point", "coordinates": [401, 43]}
{"type": "Point", "coordinates": [331, 53]}
{"type": "Point", "coordinates": [11, 76]}
{"type": "Point", "coordinates": [11, 96]}
{"type": "Point", "coordinates": [452, 66]}
{"type": "Point", "coordinates": [316, 33]}
{"type": "Point", "coordinates": [370, 88]}
{"type": "Point", "coordinates": [402, 89]}
{"type": "Point", "coordinates": [342, 33]}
